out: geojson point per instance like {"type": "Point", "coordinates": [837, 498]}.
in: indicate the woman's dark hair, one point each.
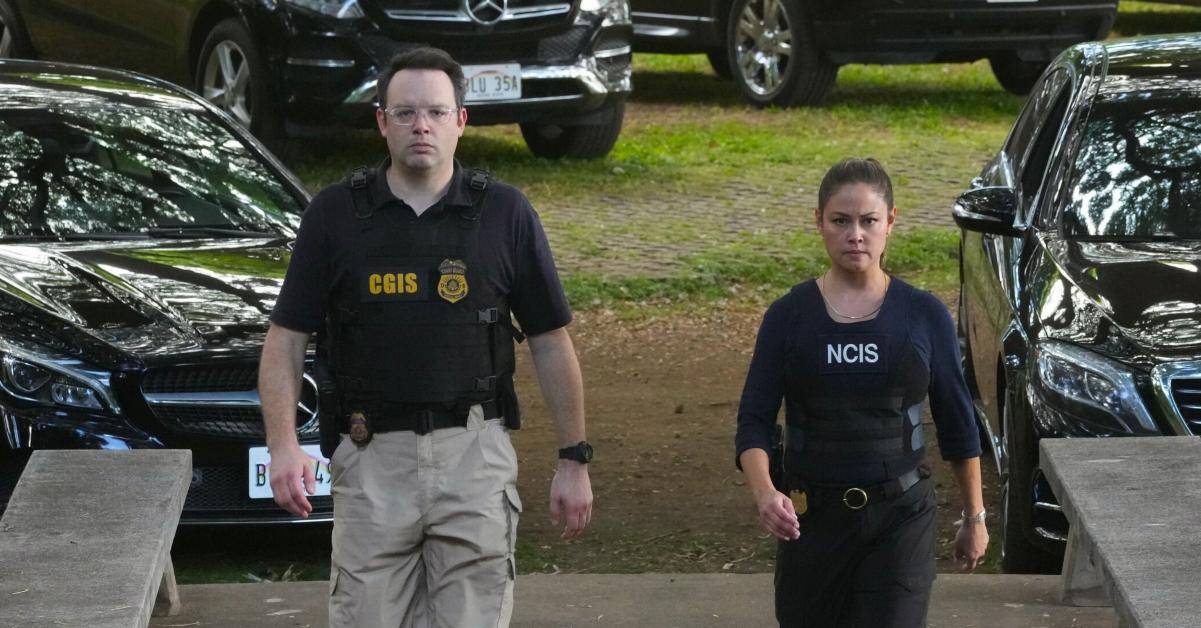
{"type": "Point", "coordinates": [854, 170]}
{"type": "Point", "coordinates": [421, 58]}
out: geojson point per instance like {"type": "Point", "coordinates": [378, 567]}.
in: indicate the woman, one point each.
{"type": "Point", "coordinates": [852, 354]}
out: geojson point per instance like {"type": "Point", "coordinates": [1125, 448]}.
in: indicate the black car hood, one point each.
{"type": "Point", "coordinates": [143, 301]}
{"type": "Point", "coordinates": [1149, 291]}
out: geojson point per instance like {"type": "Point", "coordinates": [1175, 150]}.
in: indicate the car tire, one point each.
{"type": "Point", "coordinates": [1016, 76]}
{"type": "Point", "coordinates": [576, 141]}
{"type": "Point", "coordinates": [231, 75]}
{"type": "Point", "coordinates": [13, 42]}
{"type": "Point", "coordinates": [719, 60]}
{"type": "Point", "coordinates": [1018, 553]}
{"type": "Point", "coordinates": [766, 74]}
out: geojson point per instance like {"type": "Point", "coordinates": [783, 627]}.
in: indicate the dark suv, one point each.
{"type": "Point", "coordinates": [1080, 296]}
{"type": "Point", "coordinates": [787, 52]}
{"type": "Point", "coordinates": [559, 68]}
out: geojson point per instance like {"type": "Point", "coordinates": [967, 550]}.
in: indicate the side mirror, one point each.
{"type": "Point", "coordinates": [991, 210]}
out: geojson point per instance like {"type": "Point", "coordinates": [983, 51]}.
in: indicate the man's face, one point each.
{"type": "Point", "coordinates": [424, 137]}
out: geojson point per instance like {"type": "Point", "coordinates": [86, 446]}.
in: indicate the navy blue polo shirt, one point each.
{"type": "Point", "coordinates": [512, 245]}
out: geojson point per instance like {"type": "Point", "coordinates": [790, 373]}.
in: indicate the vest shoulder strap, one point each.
{"type": "Point", "coordinates": [359, 182]}
{"type": "Point", "coordinates": [480, 181]}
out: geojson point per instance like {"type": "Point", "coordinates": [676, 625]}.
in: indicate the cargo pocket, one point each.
{"type": "Point", "coordinates": [513, 512]}
{"type": "Point", "coordinates": [333, 580]}
{"type": "Point", "coordinates": [343, 600]}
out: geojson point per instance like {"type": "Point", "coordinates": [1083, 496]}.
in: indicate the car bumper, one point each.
{"type": "Point", "coordinates": [329, 75]}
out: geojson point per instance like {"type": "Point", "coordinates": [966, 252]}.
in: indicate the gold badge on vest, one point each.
{"type": "Point", "coordinates": [452, 286]}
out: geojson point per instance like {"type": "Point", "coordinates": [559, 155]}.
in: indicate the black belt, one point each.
{"type": "Point", "coordinates": [856, 497]}
{"type": "Point", "coordinates": [428, 419]}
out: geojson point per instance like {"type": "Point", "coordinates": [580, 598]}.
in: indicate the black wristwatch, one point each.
{"type": "Point", "coordinates": [581, 452]}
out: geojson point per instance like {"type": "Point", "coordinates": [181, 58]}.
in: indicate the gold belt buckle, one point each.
{"type": "Point", "coordinates": [862, 499]}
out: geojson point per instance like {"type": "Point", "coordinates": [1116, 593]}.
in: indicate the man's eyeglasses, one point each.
{"type": "Point", "coordinates": [407, 116]}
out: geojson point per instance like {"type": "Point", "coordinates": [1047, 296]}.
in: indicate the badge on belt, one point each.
{"type": "Point", "coordinates": [360, 429]}
{"type": "Point", "coordinates": [452, 286]}
{"type": "Point", "coordinates": [800, 502]}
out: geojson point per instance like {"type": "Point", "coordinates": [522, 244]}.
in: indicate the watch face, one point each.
{"type": "Point", "coordinates": [580, 452]}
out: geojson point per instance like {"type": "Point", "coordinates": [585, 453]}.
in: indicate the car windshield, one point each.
{"type": "Point", "coordinates": [1136, 175]}
{"type": "Point", "coordinates": [137, 172]}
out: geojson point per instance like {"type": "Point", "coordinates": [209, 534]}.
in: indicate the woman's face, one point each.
{"type": "Point", "coordinates": [855, 226]}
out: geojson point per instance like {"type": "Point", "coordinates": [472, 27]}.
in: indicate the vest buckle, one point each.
{"type": "Point", "coordinates": [358, 178]}
{"type": "Point", "coordinates": [489, 316]}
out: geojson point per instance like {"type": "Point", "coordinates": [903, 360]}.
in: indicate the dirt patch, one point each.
{"type": "Point", "coordinates": [661, 401]}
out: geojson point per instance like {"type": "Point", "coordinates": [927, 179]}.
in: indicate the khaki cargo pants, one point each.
{"type": "Point", "coordinates": [424, 529]}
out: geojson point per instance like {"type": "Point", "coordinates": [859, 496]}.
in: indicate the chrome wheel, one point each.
{"type": "Point", "coordinates": [763, 45]}
{"type": "Point", "coordinates": [227, 81]}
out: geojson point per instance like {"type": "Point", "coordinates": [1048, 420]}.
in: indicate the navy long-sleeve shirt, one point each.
{"type": "Point", "coordinates": [794, 321]}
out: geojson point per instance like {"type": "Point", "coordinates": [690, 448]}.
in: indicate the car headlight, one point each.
{"type": "Point", "coordinates": [37, 378]}
{"type": "Point", "coordinates": [1091, 388]}
{"type": "Point", "coordinates": [341, 9]}
{"type": "Point", "coordinates": [613, 11]}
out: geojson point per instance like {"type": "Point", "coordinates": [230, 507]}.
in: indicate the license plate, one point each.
{"type": "Point", "coordinates": [260, 471]}
{"type": "Point", "coordinates": [493, 82]}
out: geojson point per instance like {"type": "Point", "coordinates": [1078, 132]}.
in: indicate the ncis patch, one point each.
{"type": "Point", "coordinates": [853, 353]}
{"type": "Point", "coordinates": [391, 283]}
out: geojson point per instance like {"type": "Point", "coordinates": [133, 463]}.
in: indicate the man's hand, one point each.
{"type": "Point", "coordinates": [777, 515]}
{"type": "Point", "coordinates": [289, 467]}
{"type": "Point", "coordinates": [571, 498]}
{"type": "Point", "coordinates": [971, 541]}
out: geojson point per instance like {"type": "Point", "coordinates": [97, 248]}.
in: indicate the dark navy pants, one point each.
{"type": "Point", "coordinates": [869, 568]}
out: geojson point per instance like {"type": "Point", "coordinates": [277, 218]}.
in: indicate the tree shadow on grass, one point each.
{"type": "Point", "coordinates": [980, 104]}
{"type": "Point", "coordinates": [685, 88]}
{"type": "Point", "coordinates": [692, 88]}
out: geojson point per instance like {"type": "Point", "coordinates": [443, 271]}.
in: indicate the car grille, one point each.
{"type": "Point", "coordinates": [201, 379]}
{"type": "Point", "coordinates": [219, 401]}
{"type": "Point", "coordinates": [453, 16]}
{"type": "Point", "coordinates": [1186, 392]}
{"type": "Point", "coordinates": [225, 489]}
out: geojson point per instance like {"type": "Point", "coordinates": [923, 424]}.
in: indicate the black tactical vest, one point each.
{"type": "Point", "coordinates": [418, 326]}
{"type": "Point", "coordinates": [856, 390]}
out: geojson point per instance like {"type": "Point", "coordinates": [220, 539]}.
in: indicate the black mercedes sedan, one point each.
{"type": "Point", "coordinates": [1080, 302]}
{"type": "Point", "coordinates": [143, 239]}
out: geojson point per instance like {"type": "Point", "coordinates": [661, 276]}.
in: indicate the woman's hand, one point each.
{"type": "Point", "coordinates": [777, 514]}
{"type": "Point", "coordinates": [971, 541]}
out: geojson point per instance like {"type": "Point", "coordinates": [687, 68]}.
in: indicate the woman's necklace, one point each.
{"type": "Point", "coordinates": [829, 304]}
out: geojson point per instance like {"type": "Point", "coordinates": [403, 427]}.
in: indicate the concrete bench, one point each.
{"type": "Point", "coordinates": [1133, 505]}
{"type": "Point", "coordinates": [86, 538]}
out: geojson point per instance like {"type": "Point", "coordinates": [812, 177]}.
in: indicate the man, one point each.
{"type": "Point", "coordinates": [414, 272]}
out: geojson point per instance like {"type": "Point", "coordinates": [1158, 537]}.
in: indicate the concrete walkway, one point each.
{"type": "Point", "coordinates": [651, 601]}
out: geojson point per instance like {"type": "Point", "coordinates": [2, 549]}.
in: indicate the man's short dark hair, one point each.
{"type": "Point", "coordinates": [422, 58]}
